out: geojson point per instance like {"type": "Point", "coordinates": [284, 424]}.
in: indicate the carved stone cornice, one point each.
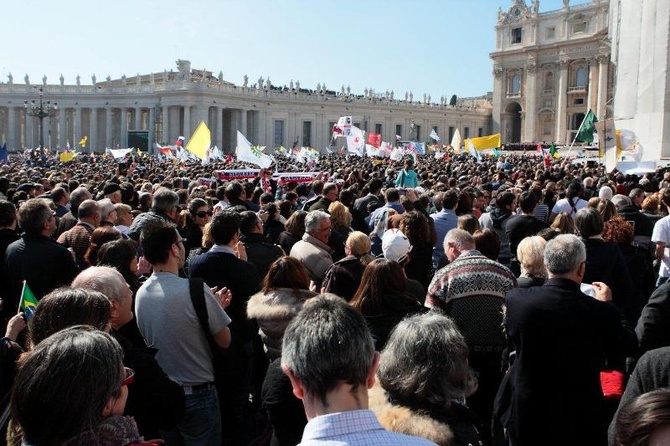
{"type": "Point", "coordinates": [498, 71]}
{"type": "Point", "coordinates": [531, 67]}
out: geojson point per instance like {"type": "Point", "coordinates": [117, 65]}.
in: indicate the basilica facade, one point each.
{"type": "Point", "coordinates": [549, 69]}
{"type": "Point", "coordinates": [143, 110]}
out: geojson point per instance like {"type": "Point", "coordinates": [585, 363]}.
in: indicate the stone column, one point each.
{"type": "Point", "coordinates": [218, 128]}
{"type": "Point", "coordinates": [77, 128]}
{"type": "Point", "coordinates": [243, 122]}
{"type": "Point", "coordinates": [165, 124]}
{"type": "Point", "coordinates": [108, 126]}
{"type": "Point", "coordinates": [187, 122]}
{"type": "Point", "coordinates": [603, 68]}
{"type": "Point", "coordinates": [499, 87]}
{"type": "Point", "coordinates": [593, 84]}
{"type": "Point", "coordinates": [62, 128]}
{"type": "Point", "coordinates": [530, 111]}
{"type": "Point", "coordinates": [561, 116]}
{"type": "Point", "coordinates": [93, 137]}
{"type": "Point", "coordinates": [151, 127]}
{"type": "Point", "coordinates": [138, 118]}
{"type": "Point", "coordinates": [123, 134]}
{"type": "Point", "coordinates": [12, 141]}
{"type": "Point", "coordinates": [28, 134]}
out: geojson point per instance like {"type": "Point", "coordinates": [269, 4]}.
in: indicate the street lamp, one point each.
{"type": "Point", "coordinates": [41, 110]}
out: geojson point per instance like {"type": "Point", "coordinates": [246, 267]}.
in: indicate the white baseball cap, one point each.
{"type": "Point", "coordinates": [395, 245]}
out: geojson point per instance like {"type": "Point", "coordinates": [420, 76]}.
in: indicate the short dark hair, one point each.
{"type": "Point", "coordinates": [7, 213]}
{"type": "Point", "coordinates": [392, 194]}
{"type": "Point", "coordinates": [233, 191]}
{"type": "Point", "coordinates": [156, 241]}
{"type": "Point", "coordinates": [527, 202]}
{"type": "Point", "coordinates": [248, 221]}
{"type": "Point", "coordinates": [224, 226]}
{"type": "Point", "coordinates": [375, 185]}
{"type": "Point", "coordinates": [449, 199]}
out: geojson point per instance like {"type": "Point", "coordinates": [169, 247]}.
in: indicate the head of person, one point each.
{"type": "Point", "coordinates": [565, 256]}
{"type": "Point", "coordinates": [112, 191]}
{"type": "Point", "coordinates": [645, 420]}
{"type": "Point", "coordinates": [468, 222]}
{"type": "Point", "coordinates": [124, 214]}
{"type": "Point", "coordinates": [225, 227]}
{"type": "Point", "coordinates": [7, 214]}
{"type": "Point", "coordinates": [487, 242]}
{"type": "Point", "coordinates": [296, 223]}
{"type": "Point", "coordinates": [99, 237]}
{"type": "Point", "coordinates": [418, 228]}
{"type": "Point", "coordinates": [318, 225]}
{"type": "Point", "coordinates": [77, 196]}
{"type": "Point", "coordinates": [166, 201]}
{"type": "Point", "coordinates": [620, 201]}
{"type": "Point", "coordinates": [90, 211]}
{"type": "Point", "coordinates": [408, 164]}
{"type": "Point", "coordinates": [65, 307]}
{"type": "Point", "coordinates": [161, 243]}
{"type": "Point", "coordinates": [564, 223]}
{"type": "Point", "coordinates": [530, 254]}
{"type": "Point", "coordinates": [527, 202]}
{"type": "Point", "coordinates": [340, 217]}
{"type": "Point", "coordinates": [575, 190]}
{"type": "Point", "coordinates": [375, 186]}
{"type": "Point", "coordinates": [69, 383]}
{"type": "Point", "coordinates": [326, 346]}
{"type": "Point", "coordinates": [358, 245]}
{"type": "Point", "coordinates": [59, 195]}
{"type": "Point", "coordinates": [396, 246]}
{"type": "Point", "coordinates": [119, 254]}
{"type": "Point", "coordinates": [588, 222]}
{"type": "Point", "coordinates": [36, 217]}
{"type": "Point", "coordinates": [391, 195]}
{"type": "Point", "coordinates": [382, 280]}
{"type": "Point", "coordinates": [412, 377]}
{"type": "Point", "coordinates": [199, 212]}
{"type": "Point", "coordinates": [234, 191]}
{"type": "Point", "coordinates": [286, 272]}
{"type": "Point", "coordinates": [107, 210]}
{"type": "Point", "coordinates": [505, 201]}
{"type": "Point", "coordinates": [650, 204]}
{"type": "Point", "coordinates": [457, 241]}
{"type": "Point", "coordinates": [111, 283]}
{"type": "Point", "coordinates": [636, 196]}
{"type": "Point", "coordinates": [607, 209]}
{"type": "Point", "coordinates": [618, 231]}
{"type": "Point", "coordinates": [330, 191]}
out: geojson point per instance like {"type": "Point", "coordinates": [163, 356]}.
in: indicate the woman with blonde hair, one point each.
{"type": "Point", "coordinates": [344, 276]}
{"type": "Point", "coordinates": [564, 223]}
{"type": "Point", "coordinates": [530, 253]}
{"type": "Point", "coordinates": [340, 219]}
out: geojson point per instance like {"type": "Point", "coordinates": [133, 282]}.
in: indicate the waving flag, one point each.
{"type": "Point", "coordinates": [344, 124]}
{"type": "Point", "coordinates": [486, 142]}
{"type": "Point", "coordinates": [3, 153]}
{"type": "Point", "coordinates": [82, 142]}
{"type": "Point", "coordinates": [180, 141]}
{"type": "Point", "coordinates": [356, 141]}
{"type": "Point", "coordinates": [28, 302]}
{"type": "Point", "coordinates": [586, 130]}
{"type": "Point", "coordinates": [374, 139]}
{"type": "Point", "coordinates": [434, 135]}
{"type": "Point", "coordinates": [456, 142]}
{"type": "Point", "coordinates": [200, 142]}
{"type": "Point", "coordinates": [251, 154]}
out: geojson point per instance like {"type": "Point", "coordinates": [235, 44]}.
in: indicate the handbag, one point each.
{"type": "Point", "coordinates": [612, 383]}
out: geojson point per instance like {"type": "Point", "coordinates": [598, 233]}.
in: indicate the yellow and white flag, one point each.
{"type": "Point", "coordinates": [201, 141]}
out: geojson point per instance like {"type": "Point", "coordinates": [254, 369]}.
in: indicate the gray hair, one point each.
{"type": "Point", "coordinates": [106, 207]}
{"type": "Point", "coordinates": [33, 214]}
{"type": "Point", "coordinates": [461, 238]}
{"type": "Point", "coordinates": [564, 253]}
{"type": "Point", "coordinates": [328, 343]}
{"type": "Point", "coordinates": [164, 200]}
{"type": "Point", "coordinates": [314, 219]}
{"type": "Point", "coordinates": [530, 254]}
{"type": "Point", "coordinates": [104, 279]}
{"type": "Point", "coordinates": [589, 222]}
{"type": "Point", "coordinates": [426, 360]}
{"type": "Point", "coordinates": [620, 201]}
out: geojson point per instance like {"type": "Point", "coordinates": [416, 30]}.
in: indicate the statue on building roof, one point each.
{"type": "Point", "coordinates": [290, 85]}
{"type": "Point", "coordinates": [26, 79]}
{"type": "Point", "coordinates": [297, 85]}
{"type": "Point", "coordinates": [93, 79]}
{"type": "Point", "coordinates": [123, 80]}
{"type": "Point", "coordinates": [268, 83]}
{"type": "Point", "coordinates": [501, 14]}
{"type": "Point", "coordinates": [366, 92]}
{"type": "Point", "coordinates": [221, 76]}
{"type": "Point", "coordinates": [260, 82]}
{"type": "Point", "coordinates": [411, 96]}
{"type": "Point", "coordinates": [78, 80]}
{"type": "Point", "coordinates": [318, 87]}
{"type": "Point", "coordinates": [566, 4]}
{"type": "Point", "coordinates": [391, 95]}
{"type": "Point", "coordinates": [348, 89]}
{"type": "Point", "coordinates": [10, 79]}
{"type": "Point", "coordinates": [246, 81]}
{"type": "Point", "coordinates": [536, 6]}
{"type": "Point", "coordinates": [44, 79]}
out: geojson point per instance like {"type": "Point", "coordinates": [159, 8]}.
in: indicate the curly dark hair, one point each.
{"type": "Point", "coordinates": [417, 228]}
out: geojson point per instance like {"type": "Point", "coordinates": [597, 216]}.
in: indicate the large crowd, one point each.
{"type": "Point", "coordinates": [509, 300]}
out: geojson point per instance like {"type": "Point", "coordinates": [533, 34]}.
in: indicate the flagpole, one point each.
{"type": "Point", "coordinates": [23, 290]}
{"type": "Point", "coordinates": [577, 134]}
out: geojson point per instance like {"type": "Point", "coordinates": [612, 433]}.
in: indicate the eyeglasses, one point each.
{"type": "Point", "coordinates": [203, 214]}
{"type": "Point", "coordinates": [329, 228]}
{"type": "Point", "coordinates": [129, 376]}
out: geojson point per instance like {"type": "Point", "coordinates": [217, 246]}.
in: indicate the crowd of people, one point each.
{"type": "Point", "coordinates": [449, 301]}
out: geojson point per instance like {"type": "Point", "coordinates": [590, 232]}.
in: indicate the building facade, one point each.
{"type": "Point", "coordinates": [156, 108]}
{"type": "Point", "coordinates": [549, 69]}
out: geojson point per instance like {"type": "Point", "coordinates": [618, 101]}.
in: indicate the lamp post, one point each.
{"type": "Point", "coordinates": [41, 110]}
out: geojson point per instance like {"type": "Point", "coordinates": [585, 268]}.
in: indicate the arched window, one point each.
{"type": "Point", "coordinates": [580, 77]}
{"type": "Point", "coordinates": [515, 84]}
{"type": "Point", "coordinates": [549, 82]}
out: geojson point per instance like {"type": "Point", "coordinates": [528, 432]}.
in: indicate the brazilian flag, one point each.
{"type": "Point", "coordinates": [28, 302]}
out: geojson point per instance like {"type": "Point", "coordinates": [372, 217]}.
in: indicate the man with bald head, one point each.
{"type": "Point", "coordinates": [154, 400]}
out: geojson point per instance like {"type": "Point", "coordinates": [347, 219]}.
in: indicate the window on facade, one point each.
{"type": "Point", "coordinates": [550, 32]}
{"type": "Point", "coordinates": [580, 77]}
{"type": "Point", "coordinates": [378, 129]}
{"type": "Point", "coordinates": [480, 131]}
{"type": "Point", "coordinates": [398, 129]}
{"type": "Point", "coordinates": [451, 133]}
{"type": "Point", "coordinates": [579, 101]}
{"type": "Point", "coordinates": [549, 82]}
{"type": "Point", "coordinates": [307, 133]}
{"type": "Point", "coordinates": [546, 124]}
{"type": "Point", "coordinates": [279, 133]}
{"type": "Point", "coordinates": [515, 84]}
{"type": "Point", "coordinates": [579, 27]}
{"type": "Point", "coordinates": [516, 35]}
{"type": "Point", "coordinates": [466, 132]}
{"type": "Point", "coordinates": [418, 132]}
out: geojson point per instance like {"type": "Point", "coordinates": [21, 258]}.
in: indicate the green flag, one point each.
{"type": "Point", "coordinates": [28, 301]}
{"type": "Point", "coordinates": [587, 128]}
{"type": "Point", "coordinates": [552, 151]}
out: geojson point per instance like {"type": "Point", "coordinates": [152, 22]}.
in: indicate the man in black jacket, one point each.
{"type": "Point", "coordinates": [154, 400]}
{"type": "Point", "coordinates": [259, 250]}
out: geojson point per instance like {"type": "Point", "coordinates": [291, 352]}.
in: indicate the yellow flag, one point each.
{"type": "Point", "coordinates": [66, 156]}
{"type": "Point", "coordinates": [200, 141]}
{"type": "Point", "coordinates": [486, 142]}
{"type": "Point", "coordinates": [82, 142]}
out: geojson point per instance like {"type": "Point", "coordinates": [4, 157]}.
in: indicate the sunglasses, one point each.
{"type": "Point", "coordinates": [130, 376]}
{"type": "Point", "coordinates": [203, 214]}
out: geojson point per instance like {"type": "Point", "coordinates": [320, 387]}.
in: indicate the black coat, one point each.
{"type": "Point", "coordinates": [343, 277]}
{"type": "Point", "coordinates": [154, 400]}
{"type": "Point", "coordinates": [653, 327]}
{"type": "Point", "coordinates": [261, 252]}
{"type": "Point", "coordinates": [563, 339]}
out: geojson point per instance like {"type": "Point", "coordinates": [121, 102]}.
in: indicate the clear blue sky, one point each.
{"type": "Point", "coordinates": [438, 47]}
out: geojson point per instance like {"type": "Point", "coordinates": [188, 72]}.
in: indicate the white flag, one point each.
{"type": "Point", "coordinates": [251, 154]}
{"type": "Point", "coordinates": [356, 142]}
{"type": "Point", "coordinates": [456, 142]}
{"type": "Point", "coordinates": [434, 135]}
{"type": "Point", "coordinates": [344, 124]}
{"type": "Point", "coordinates": [397, 154]}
